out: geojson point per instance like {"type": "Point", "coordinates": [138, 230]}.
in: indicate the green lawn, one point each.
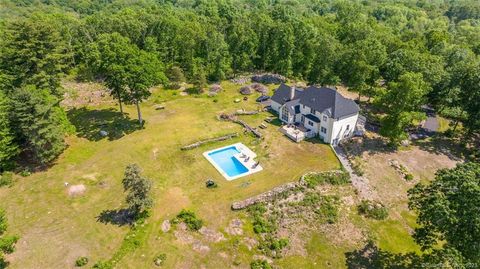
{"type": "Point", "coordinates": [55, 229]}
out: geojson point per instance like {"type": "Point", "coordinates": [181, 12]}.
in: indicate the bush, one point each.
{"type": "Point", "coordinates": [260, 264]}
{"type": "Point", "coordinates": [272, 247]}
{"type": "Point", "coordinates": [372, 209]}
{"type": "Point", "coordinates": [190, 219]}
{"type": "Point", "coordinates": [7, 243]}
{"type": "Point", "coordinates": [103, 265]}
{"type": "Point", "coordinates": [25, 173]}
{"type": "Point", "coordinates": [160, 259]}
{"type": "Point", "coordinates": [6, 179]}
{"type": "Point", "coordinates": [334, 178]}
{"type": "Point", "coordinates": [408, 177]}
{"type": "Point", "coordinates": [260, 223]}
{"type": "Point", "coordinates": [194, 90]}
{"type": "Point", "coordinates": [81, 261]}
{"type": "Point", "coordinates": [326, 207]}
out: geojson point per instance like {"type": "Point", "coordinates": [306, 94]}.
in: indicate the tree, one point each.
{"type": "Point", "coordinates": [143, 71]}
{"type": "Point", "coordinates": [138, 187]}
{"type": "Point", "coordinates": [35, 53]}
{"type": "Point", "coordinates": [108, 57]}
{"type": "Point", "coordinates": [447, 211]}
{"type": "Point", "coordinates": [8, 147]}
{"type": "Point", "coordinates": [40, 123]}
{"type": "Point", "coordinates": [470, 96]}
{"type": "Point", "coordinates": [175, 74]}
{"type": "Point", "coordinates": [402, 102]}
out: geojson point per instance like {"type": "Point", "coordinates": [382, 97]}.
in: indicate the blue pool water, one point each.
{"type": "Point", "coordinates": [229, 164]}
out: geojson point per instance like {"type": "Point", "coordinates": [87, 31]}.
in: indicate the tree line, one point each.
{"type": "Point", "coordinates": [400, 54]}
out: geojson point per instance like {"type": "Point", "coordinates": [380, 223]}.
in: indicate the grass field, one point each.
{"type": "Point", "coordinates": [55, 229]}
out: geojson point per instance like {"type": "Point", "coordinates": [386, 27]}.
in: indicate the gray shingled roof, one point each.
{"type": "Point", "coordinates": [282, 94]}
{"type": "Point", "coordinates": [324, 100]}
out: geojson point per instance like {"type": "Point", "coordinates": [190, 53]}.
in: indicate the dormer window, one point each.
{"type": "Point", "coordinates": [312, 111]}
{"type": "Point", "coordinates": [324, 118]}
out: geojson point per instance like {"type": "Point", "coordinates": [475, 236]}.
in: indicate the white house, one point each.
{"type": "Point", "coordinates": [315, 111]}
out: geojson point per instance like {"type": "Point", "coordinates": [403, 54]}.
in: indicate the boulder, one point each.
{"type": "Point", "coordinates": [260, 88]}
{"type": "Point", "coordinates": [246, 90]}
{"type": "Point", "coordinates": [215, 88]}
{"type": "Point", "coordinates": [269, 78]}
{"type": "Point", "coordinates": [103, 133]}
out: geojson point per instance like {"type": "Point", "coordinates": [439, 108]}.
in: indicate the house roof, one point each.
{"type": "Point", "coordinates": [282, 94]}
{"type": "Point", "coordinates": [312, 118]}
{"type": "Point", "coordinates": [323, 99]}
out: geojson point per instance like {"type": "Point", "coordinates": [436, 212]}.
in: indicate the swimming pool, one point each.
{"type": "Point", "coordinates": [233, 161]}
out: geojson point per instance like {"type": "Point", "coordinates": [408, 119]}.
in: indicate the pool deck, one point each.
{"type": "Point", "coordinates": [248, 164]}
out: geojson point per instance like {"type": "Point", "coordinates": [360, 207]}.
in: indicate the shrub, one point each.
{"type": "Point", "coordinates": [81, 261]}
{"type": "Point", "coordinates": [272, 247]}
{"type": "Point", "coordinates": [194, 90]}
{"type": "Point", "coordinates": [260, 264]}
{"type": "Point", "coordinates": [260, 223]}
{"type": "Point", "coordinates": [103, 265]}
{"type": "Point", "coordinates": [331, 177]}
{"type": "Point", "coordinates": [372, 209]}
{"type": "Point", "coordinates": [160, 259]}
{"type": "Point", "coordinates": [190, 219]}
{"type": "Point", "coordinates": [25, 173]}
{"type": "Point", "coordinates": [408, 177]}
{"type": "Point", "coordinates": [6, 179]}
{"type": "Point", "coordinates": [7, 243]}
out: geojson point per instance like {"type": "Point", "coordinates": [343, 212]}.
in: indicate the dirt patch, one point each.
{"type": "Point", "coordinates": [76, 190]}
{"type": "Point", "coordinates": [79, 94]}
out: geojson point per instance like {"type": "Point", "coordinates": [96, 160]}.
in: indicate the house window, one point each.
{"type": "Point", "coordinates": [323, 130]}
{"type": "Point", "coordinates": [310, 123]}
{"type": "Point", "coordinates": [324, 118]}
{"type": "Point", "coordinates": [285, 113]}
{"type": "Point", "coordinates": [348, 126]}
{"type": "Point", "coordinates": [312, 111]}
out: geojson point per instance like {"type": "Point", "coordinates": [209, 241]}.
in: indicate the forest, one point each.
{"type": "Point", "coordinates": [399, 55]}
{"type": "Point", "coordinates": [402, 54]}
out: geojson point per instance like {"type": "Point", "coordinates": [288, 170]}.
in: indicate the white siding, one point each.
{"type": "Point", "coordinates": [339, 129]}
{"type": "Point", "coordinates": [275, 106]}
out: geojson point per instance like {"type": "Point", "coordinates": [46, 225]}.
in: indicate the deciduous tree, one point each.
{"type": "Point", "coordinates": [447, 211]}
{"type": "Point", "coordinates": [138, 189]}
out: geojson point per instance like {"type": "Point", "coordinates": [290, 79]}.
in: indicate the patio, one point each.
{"type": "Point", "coordinates": [296, 132]}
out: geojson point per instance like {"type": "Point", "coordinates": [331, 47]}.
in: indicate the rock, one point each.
{"type": "Point", "coordinates": [237, 100]}
{"type": "Point", "coordinates": [199, 247]}
{"type": "Point", "coordinates": [159, 107]}
{"type": "Point", "coordinates": [246, 90]}
{"type": "Point", "coordinates": [240, 80]}
{"type": "Point", "coordinates": [260, 88]}
{"type": "Point", "coordinates": [235, 227]}
{"type": "Point", "coordinates": [76, 190]}
{"type": "Point", "coordinates": [405, 142]}
{"type": "Point", "coordinates": [250, 242]}
{"type": "Point", "coordinates": [211, 235]}
{"type": "Point", "coordinates": [166, 226]}
{"type": "Point", "coordinates": [215, 88]}
{"type": "Point", "coordinates": [103, 133]}
{"type": "Point", "coordinates": [269, 78]}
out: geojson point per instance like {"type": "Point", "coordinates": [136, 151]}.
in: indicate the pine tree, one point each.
{"type": "Point", "coordinates": [40, 123]}
{"type": "Point", "coordinates": [8, 147]}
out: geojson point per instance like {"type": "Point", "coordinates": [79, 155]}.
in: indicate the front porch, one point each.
{"type": "Point", "coordinates": [297, 132]}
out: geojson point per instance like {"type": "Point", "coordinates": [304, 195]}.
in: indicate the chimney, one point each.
{"type": "Point", "coordinates": [292, 92]}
